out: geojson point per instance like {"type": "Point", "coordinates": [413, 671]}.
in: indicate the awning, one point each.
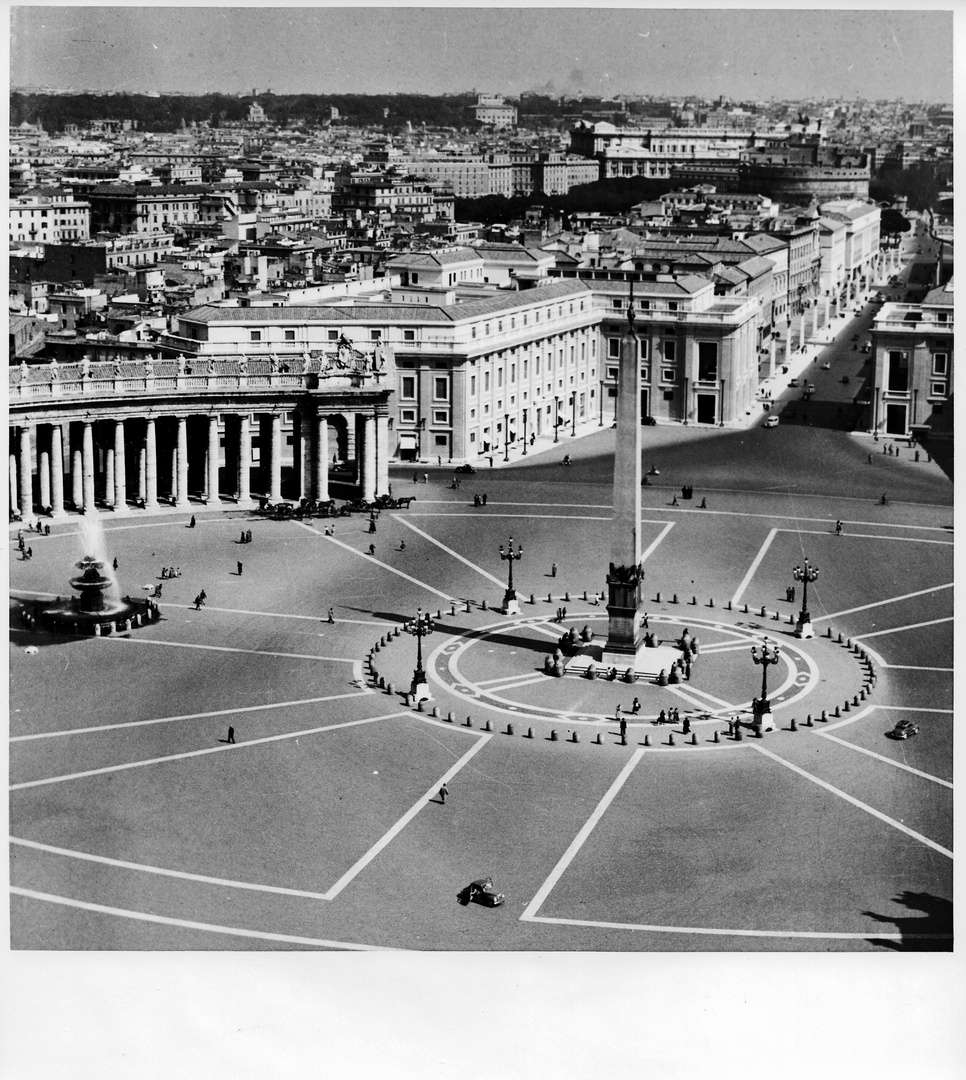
{"type": "Point", "coordinates": [407, 441]}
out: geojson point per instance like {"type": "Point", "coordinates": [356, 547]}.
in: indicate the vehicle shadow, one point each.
{"type": "Point", "coordinates": [930, 932]}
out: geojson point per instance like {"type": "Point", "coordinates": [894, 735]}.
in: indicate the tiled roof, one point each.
{"type": "Point", "coordinates": [761, 243]}
{"type": "Point", "coordinates": [756, 266]}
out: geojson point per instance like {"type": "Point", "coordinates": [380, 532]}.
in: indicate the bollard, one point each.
{"type": "Point", "coordinates": [483, 605]}
{"type": "Point", "coordinates": [439, 613]}
{"type": "Point", "coordinates": [847, 706]}
{"type": "Point", "coordinates": [738, 735]}
{"type": "Point", "coordinates": [409, 701]}
{"type": "Point", "coordinates": [436, 711]}
{"type": "Point", "coordinates": [729, 608]}
{"type": "Point", "coordinates": [808, 720]}
{"type": "Point", "coordinates": [488, 726]}
{"type": "Point", "coordinates": [674, 598]}
{"type": "Point", "coordinates": [377, 647]}
{"type": "Point", "coordinates": [838, 711]}
{"type": "Point", "coordinates": [575, 737]}
{"type": "Point", "coordinates": [509, 729]}
{"type": "Point", "coordinates": [824, 716]}
{"type": "Point", "coordinates": [549, 598]}
{"type": "Point", "coordinates": [694, 601]}
{"type": "Point", "coordinates": [382, 683]}
{"type": "Point", "coordinates": [829, 634]}
{"type": "Point", "coordinates": [855, 700]}
{"type": "Point", "coordinates": [469, 722]}
{"type": "Point", "coordinates": [711, 602]}
{"type": "Point", "coordinates": [759, 733]}
{"type": "Point", "coordinates": [553, 735]}
{"type": "Point", "coordinates": [647, 740]}
{"type": "Point", "coordinates": [468, 608]}
{"type": "Point", "coordinates": [567, 597]}
{"type": "Point", "coordinates": [585, 595]}
{"type": "Point", "coordinates": [717, 737]}
{"type": "Point", "coordinates": [452, 609]}
{"type": "Point", "coordinates": [623, 740]}
{"type": "Point", "coordinates": [745, 609]}
{"type": "Point", "coordinates": [450, 717]}
{"type": "Point", "coordinates": [419, 705]}
{"type": "Point", "coordinates": [390, 688]}
{"type": "Point", "coordinates": [662, 678]}
{"type": "Point", "coordinates": [791, 620]}
{"type": "Point", "coordinates": [670, 739]}
{"type": "Point", "coordinates": [597, 741]}
{"type": "Point", "coordinates": [694, 738]}
{"type": "Point", "coordinates": [657, 599]}
{"type": "Point", "coordinates": [532, 600]}
{"type": "Point", "coordinates": [529, 734]}
{"type": "Point", "coordinates": [629, 675]}
{"type": "Point", "coordinates": [794, 726]}
{"type": "Point", "coordinates": [840, 637]}
{"type": "Point", "coordinates": [848, 644]}
{"type": "Point", "coordinates": [762, 613]}
{"type": "Point", "coordinates": [776, 615]}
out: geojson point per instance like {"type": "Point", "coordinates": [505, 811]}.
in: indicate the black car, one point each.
{"type": "Point", "coordinates": [466, 469]}
{"type": "Point", "coordinates": [649, 421]}
{"type": "Point", "coordinates": [482, 892]}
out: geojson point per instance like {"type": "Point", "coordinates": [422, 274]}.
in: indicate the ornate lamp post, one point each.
{"type": "Point", "coordinates": [804, 574]}
{"type": "Point", "coordinates": [767, 656]}
{"type": "Point", "coordinates": [524, 431]}
{"type": "Point", "coordinates": [506, 436]}
{"type": "Point", "coordinates": [556, 419]}
{"type": "Point", "coordinates": [511, 603]}
{"type": "Point", "coordinates": [420, 627]}
{"type": "Point", "coordinates": [573, 403]}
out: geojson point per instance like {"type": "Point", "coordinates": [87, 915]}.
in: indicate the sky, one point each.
{"type": "Point", "coordinates": [741, 53]}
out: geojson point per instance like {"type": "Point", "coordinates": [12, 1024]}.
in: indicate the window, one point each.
{"type": "Point", "coordinates": [409, 386]}
{"type": "Point", "coordinates": [645, 374]}
{"type": "Point", "coordinates": [441, 440]}
{"type": "Point", "coordinates": [672, 305]}
{"type": "Point", "coordinates": [407, 416]}
{"type": "Point", "coordinates": [409, 335]}
{"type": "Point", "coordinates": [614, 348]}
{"type": "Point", "coordinates": [499, 377]}
{"type": "Point", "coordinates": [667, 374]}
{"type": "Point", "coordinates": [441, 389]}
{"type": "Point", "coordinates": [254, 335]}
{"type": "Point", "coordinates": [332, 335]}
{"type": "Point", "coordinates": [937, 389]}
{"type": "Point", "coordinates": [643, 350]}
{"type": "Point", "coordinates": [707, 361]}
{"type": "Point", "coordinates": [939, 362]}
{"type": "Point", "coordinates": [472, 386]}
{"type": "Point", "coordinates": [375, 335]}
{"type": "Point", "coordinates": [668, 395]}
{"type": "Point", "coordinates": [898, 372]}
{"type": "Point", "coordinates": [669, 347]}
{"type": "Point", "coordinates": [612, 373]}
{"type": "Point", "coordinates": [617, 305]}
{"type": "Point", "coordinates": [440, 416]}
{"type": "Point", "coordinates": [513, 373]}
{"type": "Point", "coordinates": [645, 305]}
{"type": "Point", "coordinates": [289, 335]}
{"type": "Point", "coordinates": [472, 331]}
{"type": "Point", "coordinates": [486, 380]}
{"type": "Point", "coordinates": [414, 278]}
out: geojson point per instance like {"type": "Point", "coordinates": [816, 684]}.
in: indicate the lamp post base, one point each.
{"type": "Point", "coordinates": [803, 629]}
{"type": "Point", "coordinates": [511, 603]}
{"type": "Point", "coordinates": [420, 691]}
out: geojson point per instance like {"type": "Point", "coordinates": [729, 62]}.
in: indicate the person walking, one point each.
{"type": "Point", "coordinates": [372, 525]}
{"type": "Point", "coordinates": [415, 478]}
{"type": "Point", "coordinates": [838, 528]}
{"type": "Point", "coordinates": [231, 735]}
{"type": "Point", "coordinates": [443, 792]}
{"type": "Point", "coordinates": [623, 728]}
{"type": "Point", "coordinates": [114, 564]}
{"type": "Point", "coordinates": [29, 553]}
{"type": "Point", "coordinates": [425, 477]}
{"type": "Point", "coordinates": [330, 618]}
{"type": "Point", "coordinates": [553, 569]}
{"type": "Point", "coordinates": [439, 461]}
{"type": "Point", "coordinates": [198, 602]}
{"type": "Point", "coordinates": [870, 459]}
{"type": "Point", "coordinates": [203, 595]}
{"type": "Point", "coordinates": [239, 569]}
{"type": "Point", "coordinates": [192, 522]}
{"type": "Point", "coordinates": [483, 498]}
{"type": "Point", "coordinates": [372, 549]}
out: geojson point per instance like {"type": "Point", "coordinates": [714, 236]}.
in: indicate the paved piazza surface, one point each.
{"type": "Point", "coordinates": [136, 825]}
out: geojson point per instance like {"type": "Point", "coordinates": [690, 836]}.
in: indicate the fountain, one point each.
{"type": "Point", "coordinates": [99, 607]}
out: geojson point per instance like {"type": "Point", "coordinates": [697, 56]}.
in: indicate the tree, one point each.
{"type": "Point", "coordinates": [893, 223]}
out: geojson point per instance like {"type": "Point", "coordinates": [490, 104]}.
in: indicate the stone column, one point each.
{"type": "Point", "coordinates": [181, 488]}
{"type": "Point", "coordinates": [815, 319]}
{"type": "Point", "coordinates": [43, 466]}
{"type": "Point", "coordinates": [150, 466]}
{"type": "Point", "coordinates": [382, 455]}
{"type": "Point", "coordinates": [771, 357]}
{"type": "Point", "coordinates": [26, 475]}
{"type": "Point", "coordinates": [214, 452]}
{"type": "Point", "coordinates": [57, 470]}
{"type": "Point", "coordinates": [275, 482]}
{"type": "Point", "coordinates": [368, 458]}
{"type": "Point", "coordinates": [14, 487]}
{"type": "Point", "coordinates": [321, 470]}
{"type": "Point", "coordinates": [77, 476]}
{"type": "Point", "coordinates": [88, 468]}
{"type": "Point", "coordinates": [109, 476]}
{"type": "Point", "coordinates": [120, 469]}
{"type": "Point", "coordinates": [244, 459]}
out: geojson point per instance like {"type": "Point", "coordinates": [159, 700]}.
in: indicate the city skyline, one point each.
{"type": "Point", "coordinates": [739, 54]}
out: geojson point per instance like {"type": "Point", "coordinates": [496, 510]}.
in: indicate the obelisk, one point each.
{"type": "Point", "coordinates": [625, 631]}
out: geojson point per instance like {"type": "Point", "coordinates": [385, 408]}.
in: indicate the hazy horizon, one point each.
{"type": "Point", "coordinates": [750, 54]}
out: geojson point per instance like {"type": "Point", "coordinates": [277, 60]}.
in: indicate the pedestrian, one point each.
{"type": "Point", "coordinates": [704, 504]}
{"type": "Point", "coordinates": [662, 717]}
{"type": "Point", "coordinates": [372, 549]}
{"type": "Point", "coordinates": [443, 792]}
{"type": "Point", "coordinates": [870, 459]}
{"type": "Point", "coordinates": [114, 564]}
{"type": "Point", "coordinates": [21, 544]}
{"type": "Point", "coordinates": [484, 498]}
{"type": "Point", "coordinates": [439, 461]}
{"type": "Point", "coordinates": [883, 501]}
{"type": "Point", "coordinates": [239, 569]}
{"type": "Point", "coordinates": [198, 602]}
{"type": "Point", "coordinates": [636, 706]}
{"type": "Point", "coordinates": [674, 501]}
{"type": "Point", "coordinates": [917, 458]}
{"type": "Point", "coordinates": [242, 540]}
{"type": "Point", "coordinates": [476, 500]}
{"type": "Point", "coordinates": [402, 545]}
{"type": "Point", "coordinates": [47, 527]}
{"type": "Point", "coordinates": [415, 478]}
{"type": "Point", "coordinates": [885, 448]}
{"type": "Point", "coordinates": [330, 618]}
{"type": "Point", "coordinates": [425, 477]}
{"type": "Point", "coordinates": [29, 553]}
{"type": "Point", "coordinates": [563, 614]}
{"type": "Point", "coordinates": [623, 727]}
{"type": "Point", "coordinates": [687, 725]}
{"type": "Point", "coordinates": [192, 523]}
{"type": "Point", "coordinates": [372, 525]}
{"type": "Point", "coordinates": [231, 734]}
{"type": "Point", "coordinates": [553, 569]}
{"type": "Point", "coordinates": [838, 528]}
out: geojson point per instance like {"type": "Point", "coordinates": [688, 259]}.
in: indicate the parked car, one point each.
{"type": "Point", "coordinates": [649, 421]}
{"type": "Point", "coordinates": [482, 892]}
{"type": "Point", "coordinates": [793, 382]}
{"type": "Point", "coordinates": [466, 469]}
{"type": "Point", "coordinates": [904, 729]}
{"type": "Point", "coordinates": [826, 366]}
{"type": "Point", "coordinates": [771, 421]}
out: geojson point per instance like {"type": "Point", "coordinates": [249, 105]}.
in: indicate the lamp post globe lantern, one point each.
{"type": "Point", "coordinates": [805, 574]}
{"type": "Point", "coordinates": [511, 602]}
{"type": "Point", "coordinates": [420, 627]}
{"type": "Point", "coordinates": [765, 657]}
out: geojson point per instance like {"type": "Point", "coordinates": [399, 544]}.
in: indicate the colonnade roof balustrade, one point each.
{"type": "Point", "coordinates": [320, 371]}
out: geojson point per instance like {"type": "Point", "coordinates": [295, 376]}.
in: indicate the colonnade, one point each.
{"type": "Point", "coordinates": [166, 457]}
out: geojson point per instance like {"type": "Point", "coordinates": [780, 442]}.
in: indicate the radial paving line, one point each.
{"type": "Point", "coordinates": [883, 603]}
{"type": "Point", "coordinates": [915, 667]}
{"type": "Point", "coordinates": [187, 924]}
{"type": "Point", "coordinates": [701, 695]}
{"type": "Point", "coordinates": [578, 841]}
{"type": "Point", "coordinates": [498, 514]}
{"type": "Point", "coordinates": [228, 648]}
{"type": "Point", "coordinates": [881, 757]}
{"type": "Point", "coordinates": [362, 863]}
{"type": "Point", "coordinates": [381, 565]}
{"type": "Point", "coordinates": [755, 564]}
{"type": "Point", "coordinates": [198, 753]}
{"type": "Point", "coordinates": [448, 550]}
{"type": "Point", "coordinates": [668, 526]}
{"type": "Point", "coordinates": [909, 626]}
{"type": "Point", "coordinates": [185, 716]}
{"type": "Point", "coordinates": [278, 614]}
{"type": "Point", "coordinates": [855, 802]}
{"type": "Point", "coordinates": [142, 868]}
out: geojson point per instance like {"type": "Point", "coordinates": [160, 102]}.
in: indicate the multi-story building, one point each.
{"type": "Point", "coordinates": [126, 208]}
{"type": "Point", "coordinates": [492, 111]}
{"type": "Point", "coordinates": [48, 216]}
{"type": "Point", "coordinates": [861, 221]}
{"type": "Point", "coordinates": [912, 383]}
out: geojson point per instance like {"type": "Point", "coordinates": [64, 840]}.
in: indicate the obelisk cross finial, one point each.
{"type": "Point", "coordinates": [630, 308]}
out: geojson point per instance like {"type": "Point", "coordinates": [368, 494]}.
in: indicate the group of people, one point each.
{"type": "Point", "coordinates": [170, 572]}
{"type": "Point", "coordinates": [479, 500]}
{"type": "Point", "coordinates": [200, 599]}
{"type": "Point", "coordinates": [42, 530]}
{"type": "Point", "coordinates": [246, 536]}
